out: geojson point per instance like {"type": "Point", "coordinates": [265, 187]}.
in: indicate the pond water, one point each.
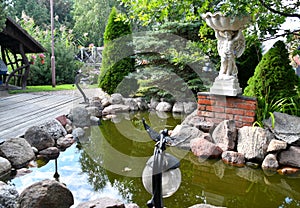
{"type": "Point", "coordinates": [110, 161]}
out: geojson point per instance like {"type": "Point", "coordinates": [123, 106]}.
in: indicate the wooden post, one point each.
{"type": "Point", "coordinates": [52, 46]}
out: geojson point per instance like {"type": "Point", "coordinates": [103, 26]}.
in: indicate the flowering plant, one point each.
{"type": "Point", "coordinates": [32, 59]}
{"type": "Point", "coordinates": [42, 57]}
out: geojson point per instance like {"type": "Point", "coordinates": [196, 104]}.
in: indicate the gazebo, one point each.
{"type": "Point", "coordinates": [15, 42]}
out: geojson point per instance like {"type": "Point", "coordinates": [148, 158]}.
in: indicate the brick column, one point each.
{"type": "Point", "coordinates": [217, 108]}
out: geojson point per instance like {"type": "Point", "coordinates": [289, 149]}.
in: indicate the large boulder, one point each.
{"type": "Point", "coordinates": [5, 167]}
{"type": "Point", "coordinates": [204, 148]}
{"type": "Point", "coordinates": [80, 116]}
{"type": "Point", "coordinates": [276, 145]}
{"type": "Point", "coordinates": [178, 107]}
{"type": "Point", "coordinates": [116, 98]}
{"type": "Point", "coordinates": [102, 203]}
{"type": "Point", "coordinates": [270, 162]}
{"type": "Point", "coordinates": [39, 138]}
{"type": "Point", "coordinates": [224, 135]}
{"type": "Point", "coordinates": [253, 142]}
{"type": "Point", "coordinates": [113, 109]}
{"type": "Point", "coordinates": [194, 120]}
{"type": "Point", "coordinates": [289, 133]}
{"type": "Point", "coordinates": [164, 107]}
{"type": "Point", "coordinates": [290, 157]}
{"type": "Point", "coordinates": [54, 128]}
{"type": "Point", "coordinates": [46, 194]}
{"type": "Point", "coordinates": [233, 158]}
{"type": "Point", "coordinates": [18, 151]}
{"type": "Point", "coordinates": [189, 107]}
{"type": "Point", "coordinates": [8, 196]}
{"type": "Point", "coordinates": [183, 134]}
{"type": "Point", "coordinates": [131, 103]}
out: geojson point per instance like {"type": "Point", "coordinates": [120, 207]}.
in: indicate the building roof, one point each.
{"type": "Point", "coordinates": [13, 34]}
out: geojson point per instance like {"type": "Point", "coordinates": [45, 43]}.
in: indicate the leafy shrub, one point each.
{"type": "Point", "coordinates": [117, 61]}
{"type": "Point", "coordinates": [275, 84]}
{"type": "Point", "coordinates": [65, 63]}
{"type": "Point", "coordinates": [273, 75]}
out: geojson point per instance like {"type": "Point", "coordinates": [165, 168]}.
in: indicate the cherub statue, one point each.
{"type": "Point", "coordinates": [231, 45]}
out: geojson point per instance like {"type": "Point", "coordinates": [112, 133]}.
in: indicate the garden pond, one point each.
{"type": "Point", "coordinates": [109, 162]}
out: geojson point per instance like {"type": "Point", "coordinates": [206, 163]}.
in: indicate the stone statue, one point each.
{"type": "Point", "coordinates": [231, 45]}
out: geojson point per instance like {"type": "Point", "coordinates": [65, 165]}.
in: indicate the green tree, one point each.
{"type": "Point", "coordinates": [274, 77]}
{"type": "Point", "coordinates": [90, 18]}
{"type": "Point", "coordinates": [117, 61]}
{"type": "Point", "coordinates": [66, 65]}
{"type": "Point", "coordinates": [39, 10]}
{"type": "Point", "coordinates": [3, 14]}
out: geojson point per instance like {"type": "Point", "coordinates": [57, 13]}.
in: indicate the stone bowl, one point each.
{"type": "Point", "coordinates": [218, 21]}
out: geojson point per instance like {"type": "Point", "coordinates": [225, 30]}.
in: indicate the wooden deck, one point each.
{"type": "Point", "coordinates": [19, 112]}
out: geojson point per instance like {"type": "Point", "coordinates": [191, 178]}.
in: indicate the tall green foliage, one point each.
{"type": "Point", "coordinates": [274, 75]}
{"type": "Point", "coordinates": [39, 10]}
{"type": "Point", "coordinates": [66, 65]}
{"type": "Point", "coordinates": [2, 15]}
{"type": "Point", "coordinates": [117, 61]}
{"type": "Point", "coordinates": [90, 19]}
{"type": "Point", "coordinates": [247, 63]}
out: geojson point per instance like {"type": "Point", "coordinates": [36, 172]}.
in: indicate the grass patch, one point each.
{"type": "Point", "coordinates": [44, 88]}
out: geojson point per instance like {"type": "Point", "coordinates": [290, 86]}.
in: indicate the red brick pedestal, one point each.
{"type": "Point", "coordinates": [217, 108]}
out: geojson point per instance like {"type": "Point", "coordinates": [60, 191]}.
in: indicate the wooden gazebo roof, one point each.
{"type": "Point", "coordinates": [13, 35]}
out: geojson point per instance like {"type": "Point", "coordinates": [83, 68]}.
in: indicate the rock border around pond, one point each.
{"type": "Point", "coordinates": [276, 148]}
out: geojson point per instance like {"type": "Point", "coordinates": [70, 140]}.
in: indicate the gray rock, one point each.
{"type": "Point", "coordinates": [178, 107]}
{"type": "Point", "coordinates": [80, 116]}
{"type": "Point", "coordinates": [105, 102]}
{"type": "Point", "coordinates": [289, 133]}
{"type": "Point", "coordinates": [183, 134]}
{"type": "Point", "coordinates": [131, 103]}
{"type": "Point", "coordinates": [102, 203]}
{"type": "Point", "coordinates": [276, 145]}
{"type": "Point", "coordinates": [164, 107]}
{"type": "Point", "coordinates": [50, 153]}
{"type": "Point", "coordinates": [142, 104]}
{"type": "Point", "coordinates": [270, 162]}
{"type": "Point", "coordinates": [205, 149]}
{"type": "Point", "coordinates": [94, 111]}
{"type": "Point", "coordinates": [78, 133]}
{"type": "Point", "coordinates": [95, 121]}
{"type": "Point", "coordinates": [54, 128]}
{"type": "Point", "coordinates": [46, 194]}
{"type": "Point", "coordinates": [5, 168]}
{"type": "Point", "coordinates": [290, 157]}
{"type": "Point", "coordinates": [253, 142]}
{"type": "Point", "coordinates": [233, 158]}
{"type": "Point", "coordinates": [224, 135]}
{"type": "Point", "coordinates": [39, 138]}
{"type": "Point", "coordinates": [8, 196]}
{"type": "Point", "coordinates": [153, 103]}
{"type": "Point", "coordinates": [65, 142]}
{"type": "Point", "coordinates": [112, 109]}
{"type": "Point", "coordinates": [194, 120]}
{"type": "Point", "coordinates": [18, 151]}
{"type": "Point", "coordinates": [116, 98]}
{"type": "Point", "coordinates": [189, 107]}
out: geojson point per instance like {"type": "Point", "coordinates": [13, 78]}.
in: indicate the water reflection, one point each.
{"type": "Point", "coordinates": [112, 157]}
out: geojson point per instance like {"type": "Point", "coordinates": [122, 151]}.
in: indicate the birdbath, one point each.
{"type": "Point", "coordinates": [231, 45]}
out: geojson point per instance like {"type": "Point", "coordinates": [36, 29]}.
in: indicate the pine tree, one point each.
{"type": "Point", "coordinates": [117, 61]}
{"type": "Point", "coordinates": [274, 77]}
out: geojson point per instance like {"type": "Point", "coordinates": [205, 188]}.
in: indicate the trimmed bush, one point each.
{"type": "Point", "coordinates": [117, 61]}
{"type": "Point", "coordinates": [274, 77]}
